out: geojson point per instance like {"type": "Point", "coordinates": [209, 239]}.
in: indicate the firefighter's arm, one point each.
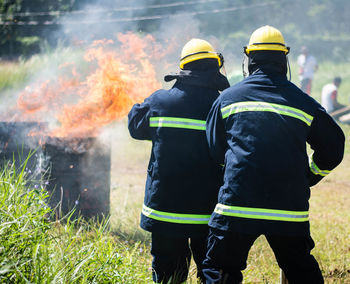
{"type": "Point", "coordinates": [215, 131]}
{"type": "Point", "coordinates": [327, 140]}
{"type": "Point", "coordinates": [138, 121]}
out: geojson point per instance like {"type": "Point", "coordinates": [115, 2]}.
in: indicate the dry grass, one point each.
{"type": "Point", "coordinates": [329, 213]}
{"type": "Point", "coordinates": [129, 164]}
{"type": "Point", "coordinates": [330, 217]}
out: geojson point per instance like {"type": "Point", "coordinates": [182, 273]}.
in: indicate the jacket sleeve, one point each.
{"type": "Point", "coordinates": [327, 140]}
{"type": "Point", "coordinates": [216, 134]}
{"type": "Point", "coordinates": [138, 121]}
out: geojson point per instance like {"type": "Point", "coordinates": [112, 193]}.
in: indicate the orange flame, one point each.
{"type": "Point", "coordinates": [115, 79]}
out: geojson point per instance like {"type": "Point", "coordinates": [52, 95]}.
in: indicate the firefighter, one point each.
{"type": "Point", "coordinates": [307, 67]}
{"type": "Point", "coordinates": [182, 179]}
{"type": "Point", "coordinates": [259, 129]}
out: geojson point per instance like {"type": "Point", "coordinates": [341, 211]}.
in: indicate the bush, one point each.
{"type": "Point", "coordinates": [23, 223]}
{"type": "Point", "coordinates": [36, 249]}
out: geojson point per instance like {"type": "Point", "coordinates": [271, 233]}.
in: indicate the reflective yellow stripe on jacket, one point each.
{"type": "Point", "coordinates": [316, 170]}
{"type": "Point", "coordinates": [175, 217]}
{"type": "Point", "coordinates": [262, 213]}
{"type": "Point", "coordinates": [177, 122]}
{"type": "Point", "coordinates": [264, 106]}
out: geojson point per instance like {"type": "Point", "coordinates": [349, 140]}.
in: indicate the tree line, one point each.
{"type": "Point", "coordinates": [27, 25]}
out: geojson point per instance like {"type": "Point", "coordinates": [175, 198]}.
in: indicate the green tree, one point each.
{"type": "Point", "coordinates": [23, 23]}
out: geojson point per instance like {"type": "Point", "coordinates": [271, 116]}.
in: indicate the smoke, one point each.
{"type": "Point", "coordinates": [103, 21]}
{"type": "Point", "coordinates": [119, 27]}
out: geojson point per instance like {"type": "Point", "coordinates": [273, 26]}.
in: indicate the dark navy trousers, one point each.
{"type": "Point", "coordinates": [172, 257]}
{"type": "Point", "coordinates": [228, 251]}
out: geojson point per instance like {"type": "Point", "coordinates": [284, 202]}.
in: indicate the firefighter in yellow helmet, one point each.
{"type": "Point", "coordinates": [182, 180]}
{"type": "Point", "coordinates": [266, 38]}
{"type": "Point", "coordinates": [197, 49]}
{"type": "Point", "coordinates": [259, 129]}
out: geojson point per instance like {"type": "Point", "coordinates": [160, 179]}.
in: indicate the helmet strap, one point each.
{"type": "Point", "coordinates": [290, 73]}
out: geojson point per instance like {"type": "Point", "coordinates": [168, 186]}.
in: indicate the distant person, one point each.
{"type": "Point", "coordinates": [259, 129]}
{"type": "Point", "coordinates": [329, 96]}
{"type": "Point", "coordinates": [307, 67]}
{"type": "Point", "coordinates": [182, 179]}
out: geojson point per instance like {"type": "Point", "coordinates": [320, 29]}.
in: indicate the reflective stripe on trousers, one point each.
{"type": "Point", "coordinates": [264, 106]}
{"type": "Point", "coordinates": [261, 213]}
{"type": "Point", "coordinates": [175, 217]}
{"type": "Point", "coordinates": [177, 122]}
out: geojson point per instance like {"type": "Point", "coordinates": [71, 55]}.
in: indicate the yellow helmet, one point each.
{"type": "Point", "coordinates": [266, 38]}
{"type": "Point", "coordinates": [197, 49]}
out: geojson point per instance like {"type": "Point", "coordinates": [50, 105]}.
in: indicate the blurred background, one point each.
{"type": "Point", "coordinates": [80, 65]}
{"type": "Point", "coordinates": [28, 27]}
{"type": "Point", "coordinates": [41, 26]}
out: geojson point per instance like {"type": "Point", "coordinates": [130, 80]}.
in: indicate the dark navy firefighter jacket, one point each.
{"type": "Point", "coordinates": [182, 179]}
{"type": "Point", "coordinates": [259, 129]}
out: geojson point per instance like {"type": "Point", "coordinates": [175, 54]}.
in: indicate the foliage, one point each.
{"type": "Point", "coordinates": [35, 249]}
{"type": "Point", "coordinates": [23, 219]}
{"type": "Point", "coordinates": [21, 24]}
{"type": "Point", "coordinates": [321, 25]}
{"type": "Point", "coordinates": [15, 75]}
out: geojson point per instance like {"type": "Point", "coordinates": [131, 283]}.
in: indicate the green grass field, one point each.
{"type": "Point", "coordinates": [35, 250]}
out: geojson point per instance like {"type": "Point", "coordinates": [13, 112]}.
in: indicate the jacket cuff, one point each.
{"type": "Point", "coordinates": [316, 174]}
{"type": "Point", "coordinates": [316, 170]}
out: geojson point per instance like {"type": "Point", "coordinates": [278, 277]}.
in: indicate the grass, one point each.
{"type": "Point", "coordinates": [34, 248]}
{"type": "Point", "coordinates": [329, 214]}
{"type": "Point", "coordinates": [15, 75]}
{"type": "Point", "coordinates": [37, 249]}
{"type": "Point", "coordinates": [325, 74]}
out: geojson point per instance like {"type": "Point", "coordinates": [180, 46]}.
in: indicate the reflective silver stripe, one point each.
{"type": "Point", "coordinates": [175, 217]}
{"type": "Point", "coordinates": [261, 213]}
{"type": "Point", "coordinates": [316, 170]}
{"type": "Point", "coordinates": [177, 122]}
{"type": "Point", "coordinates": [264, 106]}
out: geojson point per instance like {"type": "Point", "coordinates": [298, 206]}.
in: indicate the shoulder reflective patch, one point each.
{"type": "Point", "coordinates": [177, 122]}
{"type": "Point", "coordinates": [175, 217]}
{"type": "Point", "coordinates": [264, 106]}
{"type": "Point", "coordinates": [316, 170]}
{"type": "Point", "coordinates": [260, 213]}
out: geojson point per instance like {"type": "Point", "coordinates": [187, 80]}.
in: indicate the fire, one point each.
{"type": "Point", "coordinates": [84, 101]}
